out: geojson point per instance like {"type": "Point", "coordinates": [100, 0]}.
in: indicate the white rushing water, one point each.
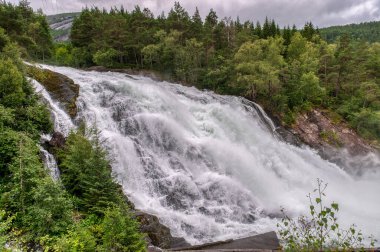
{"type": "Point", "coordinates": [207, 165]}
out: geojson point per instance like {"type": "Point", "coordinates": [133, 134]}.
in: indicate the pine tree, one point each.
{"type": "Point", "coordinates": [258, 31]}
{"type": "Point", "coordinates": [266, 32]}
{"type": "Point", "coordinates": [196, 28]}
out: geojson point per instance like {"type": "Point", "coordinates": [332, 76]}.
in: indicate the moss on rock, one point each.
{"type": "Point", "coordinates": [60, 87]}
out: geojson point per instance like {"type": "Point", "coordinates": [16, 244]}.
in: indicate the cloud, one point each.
{"type": "Point", "coordinates": [322, 12]}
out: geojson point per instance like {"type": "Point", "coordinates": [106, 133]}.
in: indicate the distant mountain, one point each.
{"type": "Point", "coordinates": [368, 31]}
{"type": "Point", "coordinates": [60, 25]}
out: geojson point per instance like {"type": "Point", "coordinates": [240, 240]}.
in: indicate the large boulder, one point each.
{"type": "Point", "coordinates": [158, 234]}
{"type": "Point", "coordinates": [60, 87]}
{"type": "Point", "coordinates": [57, 140]}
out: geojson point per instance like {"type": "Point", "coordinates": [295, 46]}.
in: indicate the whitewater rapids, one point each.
{"type": "Point", "coordinates": [207, 165]}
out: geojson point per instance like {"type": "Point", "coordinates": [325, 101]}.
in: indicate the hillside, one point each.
{"type": "Point", "coordinates": [60, 25]}
{"type": "Point", "coordinates": [368, 31]}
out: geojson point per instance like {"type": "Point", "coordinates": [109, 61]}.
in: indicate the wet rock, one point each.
{"type": "Point", "coordinates": [57, 140]}
{"type": "Point", "coordinates": [158, 234]}
{"type": "Point", "coordinates": [60, 87]}
{"type": "Point", "coordinates": [263, 242]}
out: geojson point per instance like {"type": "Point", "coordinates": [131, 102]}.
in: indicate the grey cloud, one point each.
{"type": "Point", "coordinates": [320, 12]}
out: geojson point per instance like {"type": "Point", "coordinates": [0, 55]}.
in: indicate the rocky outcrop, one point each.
{"type": "Point", "coordinates": [57, 140]}
{"type": "Point", "coordinates": [318, 130]}
{"type": "Point", "coordinates": [262, 242]}
{"type": "Point", "coordinates": [158, 234]}
{"type": "Point", "coordinates": [60, 87]}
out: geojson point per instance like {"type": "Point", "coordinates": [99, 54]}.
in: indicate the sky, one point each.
{"type": "Point", "coordinates": [321, 12]}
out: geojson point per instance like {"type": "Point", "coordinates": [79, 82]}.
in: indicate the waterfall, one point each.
{"type": "Point", "coordinates": [210, 167]}
{"type": "Point", "coordinates": [50, 164]}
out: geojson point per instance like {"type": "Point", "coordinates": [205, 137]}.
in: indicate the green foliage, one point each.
{"type": "Point", "coordinates": [86, 172]}
{"type": "Point", "coordinates": [120, 232]}
{"type": "Point", "coordinates": [11, 82]}
{"type": "Point", "coordinates": [5, 226]}
{"type": "Point", "coordinates": [63, 55]}
{"type": "Point", "coordinates": [29, 29]}
{"type": "Point", "coordinates": [51, 212]}
{"type": "Point", "coordinates": [258, 66]}
{"type": "Point", "coordinates": [367, 123]}
{"type": "Point", "coordinates": [82, 237]}
{"type": "Point", "coordinates": [320, 231]}
{"type": "Point", "coordinates": [105, 57]}
{"type": "Point", "coordinates": [367, 31]}
{"type": "Point", "coordinates": [117, 231]}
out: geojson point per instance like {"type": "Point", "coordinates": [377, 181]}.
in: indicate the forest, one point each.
{"type": "Point", "coordinates": [367, 31]}
{"type": "Point", "coordinates": [287, 70]}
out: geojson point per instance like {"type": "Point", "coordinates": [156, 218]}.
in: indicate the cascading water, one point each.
{"type": "Point", "coordinates": [207, 165]}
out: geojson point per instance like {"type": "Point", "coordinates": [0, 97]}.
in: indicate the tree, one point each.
{"type": "Point", "coordinates": [196, 27]}
{"type": "Point", "coordinates": [63, 56]}
{"type": "Point", "coordinates": [106, 57]}
{"type": "Point", "coordinates": [178, 19]}
{"type": "Point", "coordinates": [51, 212]}
{"type": "Point", "coordinates": [302, 84]}
{"type": "Point", "coordinates": [11, 84]}
{"type": "Point", "coordinates": [258, 65]}
{"type": "Point", "coordinates": [86, 172]}
{"type": "Point", "coordinates": [151, 54]}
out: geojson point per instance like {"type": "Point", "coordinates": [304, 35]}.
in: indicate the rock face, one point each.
{"type": "Point", "coordinates": [60, 87]}
{"type": "Point", "coordinates": [262, 242]}
{"type": "Point", "coordinates": [158, 234]}
{"type": "Point", "coordinates": [57, 140]}
{"type": "Point", "coordinates": [316, 129]}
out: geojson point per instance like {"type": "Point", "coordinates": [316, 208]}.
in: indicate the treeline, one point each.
{"type": "Point", "coordinates": [28, 29]}
{"type": "Point", "coordinates": [85, 210]}
{"type": "Point", "coordinates": [367, 31]}
{"type": "Point", "coordinates": [287, 70]}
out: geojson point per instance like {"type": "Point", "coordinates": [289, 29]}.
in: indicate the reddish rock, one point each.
{"type": "Point", "coordinates": [318, 130]}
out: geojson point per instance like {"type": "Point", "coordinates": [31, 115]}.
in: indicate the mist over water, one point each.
{"type": "Point", "coordinates": [208, 165]}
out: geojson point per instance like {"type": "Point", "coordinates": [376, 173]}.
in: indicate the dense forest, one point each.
{"type": "Point", "coordinates": [76, 213]}
{"type": "Point", "coordinates": [367, 31]}
{"type": "Point", "coordinates": [286, 70]}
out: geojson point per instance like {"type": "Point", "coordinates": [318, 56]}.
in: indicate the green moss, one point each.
{"type": "Point", "coordinates": [59, 86]}
{"type": "Point", "coordinates": [331, 137]}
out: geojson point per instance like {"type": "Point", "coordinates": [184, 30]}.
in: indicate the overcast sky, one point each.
{"type": "Point", "coordinates": [320, 12]}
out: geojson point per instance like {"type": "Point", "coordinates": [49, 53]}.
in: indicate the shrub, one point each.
{"type": "Point", "coordinates": [321, 230]}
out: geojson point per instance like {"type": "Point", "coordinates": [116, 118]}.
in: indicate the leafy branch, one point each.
{"type": "Point", "coordinates": [320, 230]}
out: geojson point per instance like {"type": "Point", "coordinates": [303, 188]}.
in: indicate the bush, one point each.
{"type": "Point", "coordinates": [63, 55]}
{"type": "Point", "coordinates": [106, 58]}
{"type": "Point", "coordinates": [319, 231]}
{"type": "Point", "coordinates": [367, 123]}
{"type": "Point", "coordinates": [121, 231]}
